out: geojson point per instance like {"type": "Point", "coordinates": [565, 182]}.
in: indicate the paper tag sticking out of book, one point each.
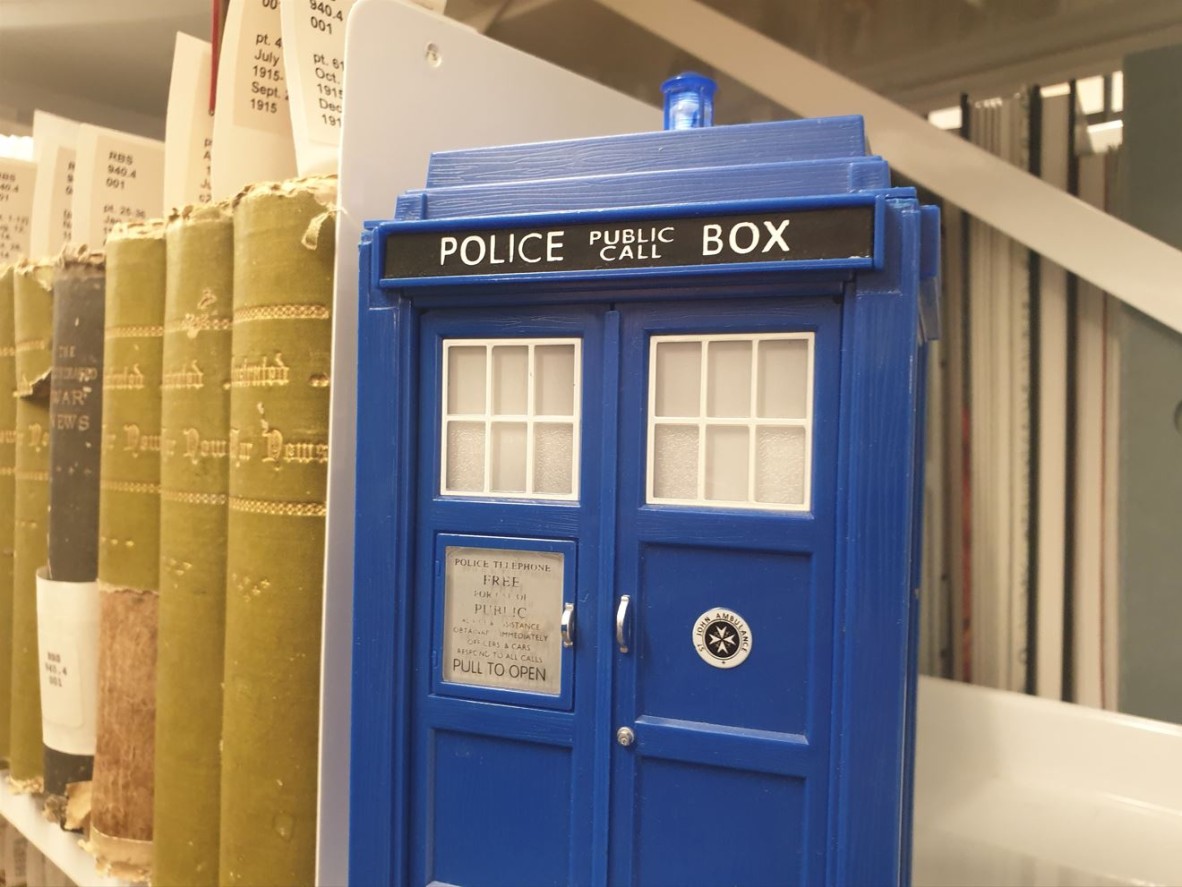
{"type": "Point", "coordinates": [17, 180]}
{"type": "Point", "coordinates": [188, 129]}
{"type": "Point", "coordinates": [67, 641]}
{"type": "Point", "coordinates": [252, 123]}
{"type": "Point", "coordinates": [314, 57]}
{"type": "Point", "coordinates": [54, 140]}
{"type": "Point", "coordinates": [118, 177]}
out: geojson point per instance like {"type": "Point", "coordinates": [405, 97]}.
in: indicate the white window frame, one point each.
{"type": "Point", "coordinates": [530, 417]}
{"type": "Point", "coordinates": [752, 423]}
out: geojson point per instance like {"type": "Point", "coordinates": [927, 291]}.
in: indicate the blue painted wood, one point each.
{"type": "Point", "coordinates": [810, 740]}
{"type": "Point", "coordinates": [741, 145]}
{"type": "Point", "coordinates": [652, 189]}
{"type": "Point", "coordinates": [879, 398]}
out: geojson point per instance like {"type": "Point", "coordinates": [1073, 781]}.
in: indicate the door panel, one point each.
{"type": "Point", "coordinates": [517, 774]}
{"type": "Point", "coordinates": [502, 764]}
{"type": "Point", "coordinates": [729, 761]}
{"type": "Point", "coordinates": [680, 584]}
{"type": "Point", "coordinates": [688, 834]}
{"type": "Point", "coordinates": [521, 838]}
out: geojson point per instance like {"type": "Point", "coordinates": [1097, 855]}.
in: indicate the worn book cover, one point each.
{"type": "Point", "coordinates": [7, 497]}
{"type": "Point", "coordinates": [33, 318]}
{"type": "Point", "coordinates": [194, 486]}
{"type": "Point", "coordinates": [278, 451]}
{"type": "Point", "coordinates": [66, 605]}
{"type": "Point", "coordinates": [129, 555]}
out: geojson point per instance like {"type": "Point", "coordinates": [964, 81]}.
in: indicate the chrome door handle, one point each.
{"type": "Point", "coordinates": [568, 625]}
{"type": "Point", "coordinates": [623, 639]}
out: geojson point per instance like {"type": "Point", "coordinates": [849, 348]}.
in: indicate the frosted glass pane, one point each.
{"type": "Point", "coordinates": [508, 458]}
{"type": "Point", "coordinates": [675, 462]}
{"type": "Point", "coordinates": [554, 378]}
{"type": "Point", "coordinates": [465, 457]}
{"type": "Point", "coordinates": [510, 379]}
{"type": "Point", "coordinates": [679, 379]}
{"type": "Point", "coordinates": [783, 378]}
{"type": "Point", "coordinates": [726, 463]}
{"type": "Point", "coordinates": [465, 379]}
{"type": "Point", "coordinates": [728, 380]}
{"type": "Point", "coordinates": [553, 458]}
{"type": "Point", "coordinates": [780, 466]}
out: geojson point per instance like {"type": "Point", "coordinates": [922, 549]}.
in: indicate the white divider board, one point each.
{"type": "Point", "coordinates": [252, 139]}
{"type": "Point", "coordinates": [54, 142]}
{"type": "Point", "coordinates": [17, 180]}
{"type": "Point", "coordinates": [188, 125]}
{"type": "Point", "coordinates": [399, 107]}
{"type": "Point", "coordinates": [118, 177]}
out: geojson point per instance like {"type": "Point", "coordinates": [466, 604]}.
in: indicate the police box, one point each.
{"type": "Point", "coordinates": [638, 493]}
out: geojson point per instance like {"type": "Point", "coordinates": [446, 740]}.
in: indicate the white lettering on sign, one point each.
{"type": "Point", "coordinates": [501, 614]}
{"type": "Point", "coordinates": [744, 237]}
{"type": "Point", "coordinates": [497, 249]}
{"type": "Point", "coordinates": [611, 243]}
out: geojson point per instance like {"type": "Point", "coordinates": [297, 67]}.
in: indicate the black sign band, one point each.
{"type": "Point", "coordinates": [836, 233]}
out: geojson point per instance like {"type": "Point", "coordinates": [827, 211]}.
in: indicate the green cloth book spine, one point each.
{"type": "Point", "coordinates": [129, 552]}
{"type": "Point", "coordinates": [65, 610]}
{"type": "Point", "coordinates": [194, 486]}
{"type": "Point", "coordinates": [33, 316]}
{"type": "Point", "coordinates": [278, 449]}
{"type": "Point", "coordinates": [7, 497]}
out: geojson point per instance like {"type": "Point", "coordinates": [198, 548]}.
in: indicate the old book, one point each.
{"type": "Point", "coordinates": [7, 497]}
{"type": "Point", "coordinates": [129, 555]}
{"type": "Point", "coordinates": [33, 332]}
{"type": "Point", "coordinates": [194, 484]}
{"type": "Point", "coordinates": [67, 596]}
{"type": "Point", "coordinates": [278, 450]}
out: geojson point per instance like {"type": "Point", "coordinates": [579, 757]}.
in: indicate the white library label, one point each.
{"type": "Point", "coordinates": [501, 615]}
{"type": "Point", "coordinates": [67, 639]}
{"type": "Point", "coordinates": [118, 178]}
{"type": "Point", "coordinates": [188, 131]}
{"type": "Point", "coordinates": [17, 179]}
{"type": "Point", "coordinates": [260, 101]}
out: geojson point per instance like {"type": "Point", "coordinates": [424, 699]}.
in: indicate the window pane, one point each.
{"type": "Point", "coordinates": [465, 379]}
{"type": "Point", "coordinates": [675, 462]}
{"type": "Point", "coordinates": [728, 379]}
{"type": "Point", "coordinates": [780, 466]}
{"type": "Point", "coordinates": [554, 375]}
{"type": "Point", "coordinates": [465, 457]}
{"type": "Point", "coordinates": [553, 458]}
{"type": "Point", "coordinates": [783, 378]}
{"type": "Point", "coordinates": [726, 463]}
{"type": "Point", "coordinates": [508, 458]}
{"type": "Point", "coordinates": [679, 379]}
{"type": "Point", "coordinates": [510, 379]}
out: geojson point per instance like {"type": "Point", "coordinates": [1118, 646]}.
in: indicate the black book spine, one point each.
{"type": "Point", "coordinates": [75, 445]}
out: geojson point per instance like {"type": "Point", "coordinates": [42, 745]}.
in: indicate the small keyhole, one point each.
{"type": "Point", "coordinates": [625, 736]}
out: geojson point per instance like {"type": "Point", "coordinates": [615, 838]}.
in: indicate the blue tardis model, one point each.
{"type": "Point", "coordinates": [638, 495]}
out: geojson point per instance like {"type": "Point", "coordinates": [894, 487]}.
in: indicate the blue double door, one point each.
{"type": "Point", "coordinates": [623, 632]}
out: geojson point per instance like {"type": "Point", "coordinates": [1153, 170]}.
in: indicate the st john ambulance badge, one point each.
{"type": "Point", "coordinates": [722, 638]}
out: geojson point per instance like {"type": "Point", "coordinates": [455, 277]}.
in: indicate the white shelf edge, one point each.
{"type": "Point", "coordinates": [60, 847]}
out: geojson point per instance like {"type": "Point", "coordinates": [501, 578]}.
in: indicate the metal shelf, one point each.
{"type": "Point", "coordinates": [62, 848]}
